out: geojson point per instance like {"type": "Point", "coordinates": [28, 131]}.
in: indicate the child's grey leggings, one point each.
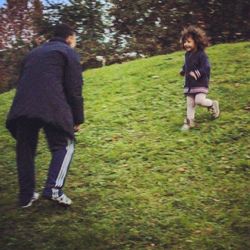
{"type": "Point", "coordinates": [196, 99]}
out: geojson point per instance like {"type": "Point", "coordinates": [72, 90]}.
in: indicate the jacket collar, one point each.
{"type": "Point", "coordinates": [58, 39]}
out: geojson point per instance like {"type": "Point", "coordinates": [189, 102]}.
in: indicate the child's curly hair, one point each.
{"type": "Point", "coordinates": [197, 34]}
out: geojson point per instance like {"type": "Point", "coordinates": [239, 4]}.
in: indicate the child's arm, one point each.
{"type": "Point", "coordinates": [182, 72]}
{"type": "Point", "coordinates": [204, 68]}
{"type": "Point", "coordinates": [193, 74]}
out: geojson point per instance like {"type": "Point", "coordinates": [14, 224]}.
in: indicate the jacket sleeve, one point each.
{"type": "Point", "coordinates": [20, 71]}
{"type": "Point", "coordinates": [183, 70]}
{"type": "Point", "coordinates": [204, 66]}
{"type": "Point", "coordinates": [73, 84]}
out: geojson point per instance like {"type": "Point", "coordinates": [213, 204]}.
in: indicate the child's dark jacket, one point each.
{"type": "Point", "coordinates": [198, 63]}
{"type": "Point", "coordinates": [49, 88]}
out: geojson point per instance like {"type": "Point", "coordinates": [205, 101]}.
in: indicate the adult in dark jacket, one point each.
{"type": "Point", "coordinates": [48, 96]}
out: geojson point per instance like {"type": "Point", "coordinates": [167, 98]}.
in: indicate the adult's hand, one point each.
{"type": "Point", "coordinates": [77, 127]}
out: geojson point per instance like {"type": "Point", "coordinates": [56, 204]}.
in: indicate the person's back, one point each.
{"type": "Point", "coordinates": [43, 70]}
{"type": "Point", "coordinates": [48, 96]}
{"type": "Point", "coordinates": [42, 88]}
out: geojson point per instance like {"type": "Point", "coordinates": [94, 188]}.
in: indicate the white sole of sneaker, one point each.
{"type": "Point", "coordinates": [33, 199]}
{"type": "Point", "coordinates": [215, 116]}
{"type": "Point", "coordinates": [59, 202]}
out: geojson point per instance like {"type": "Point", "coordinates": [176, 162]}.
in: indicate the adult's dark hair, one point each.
{"type": "Point", "coordinates": [197, 34]}
{"type": "Point", "coordinates": [63, 30]}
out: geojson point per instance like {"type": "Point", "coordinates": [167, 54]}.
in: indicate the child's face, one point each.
{"type": "Point", "coordinates": [189, 44]}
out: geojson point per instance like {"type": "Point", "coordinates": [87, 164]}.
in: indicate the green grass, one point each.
{"type": "Point", "coordinates": [137, 182]}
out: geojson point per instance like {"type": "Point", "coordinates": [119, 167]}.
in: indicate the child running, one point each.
{"type": "Point", "coordinates": [196, 70]}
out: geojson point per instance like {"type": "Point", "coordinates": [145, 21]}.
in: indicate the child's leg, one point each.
{"type": "Point", "coordinates": [189, 121]}
{"type": "Point", "coordinates": [190, 107]}
{"type": "Point", "coordinates": [202, 100]}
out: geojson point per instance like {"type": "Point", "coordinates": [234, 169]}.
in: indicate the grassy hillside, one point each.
{"type": "Point", "coordinates": [136, 181]}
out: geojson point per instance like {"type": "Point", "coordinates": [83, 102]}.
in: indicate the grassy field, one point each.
{"type": "Point", "coordinates": [136, 181]}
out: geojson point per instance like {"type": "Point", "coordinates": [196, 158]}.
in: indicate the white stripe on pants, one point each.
{"type": "Point", "coordinates": [65, 164]}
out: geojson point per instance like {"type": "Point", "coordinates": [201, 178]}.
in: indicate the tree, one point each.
{"type": "Point", "coordinates": [18, 29]}
{"type": "Point", "coordinates": [37, 16]}
{"type": "Point", "coordinates": [87, 18]}
{"type": "Point", "coordinates": [153, 26]}
{"type": "Point", "coordinates": [226, 20]}
{"type": "Point", "coordinates": [16, 24]}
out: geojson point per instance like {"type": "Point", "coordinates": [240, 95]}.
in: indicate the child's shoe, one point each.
{"type": "Point", "coordinates": [33, 198]}
{"type": "Point", "coordinates": [215, 110]}
{"type": "Point", "coordinates": [188, 123]}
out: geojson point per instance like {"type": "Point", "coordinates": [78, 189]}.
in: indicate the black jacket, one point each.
{"type": "Point", "coordinates": [199, 64]}
{"type": "Point", "coordinates": [49, 88]}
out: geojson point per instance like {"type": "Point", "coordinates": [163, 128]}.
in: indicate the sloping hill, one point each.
{"type": "Point", "coordinates": [137, 182]}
